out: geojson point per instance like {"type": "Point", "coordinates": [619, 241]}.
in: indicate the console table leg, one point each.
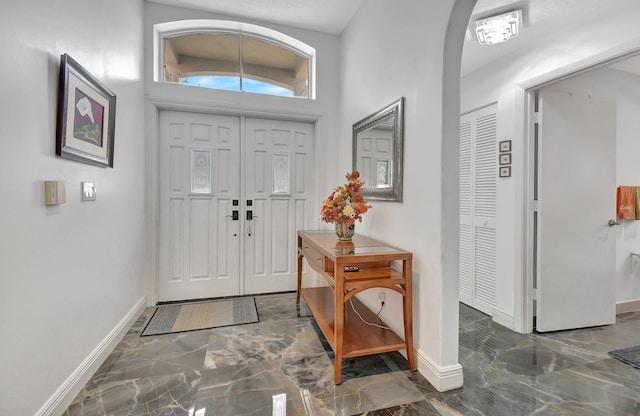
{"type": "Point", "coordinates": [408, 313]}
{"type": "Point", "coordinates": [337, 371]}
{"type": "Point", "coordinates": [408, 335]}
{"type": "Point", "coordinates": [299, 278]}
{"type": "Point", "coordinates": [339, 326]}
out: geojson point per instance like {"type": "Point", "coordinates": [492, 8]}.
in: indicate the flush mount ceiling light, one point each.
{"type": "Point", "coordinates": [500, 28]}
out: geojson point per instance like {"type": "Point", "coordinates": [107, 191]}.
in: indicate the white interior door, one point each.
{"type": "Point", "coordinates": [199, 179]}
{"type": "Point", "coordinates": [278, 180]}
{"type": "Point", "coordinates": [233, 192]}
{"type": "Point", "coordinates": [478, 203]}
{"type": "Point", "coordinates": [576, 246]}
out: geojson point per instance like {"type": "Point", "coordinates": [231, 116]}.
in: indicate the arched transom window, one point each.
{"type": "Point", "coordinates": [233, 56]}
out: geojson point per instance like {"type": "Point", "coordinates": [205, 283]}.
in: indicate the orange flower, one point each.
{"type": "Point", "coordinates": [345, 204]}
{"type": "Point", "coordinates": [359, 207]}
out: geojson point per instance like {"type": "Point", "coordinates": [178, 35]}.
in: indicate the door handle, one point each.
{"type": "Point", "coordinates": [613, 223]}
{"type": "Point", "coordinates": [250, 215]}
{"type": "Point", "coordinates": [234, 216]}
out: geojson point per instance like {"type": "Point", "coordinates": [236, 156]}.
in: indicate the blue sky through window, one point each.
{"type": "Point", "coordinates": [231, 83]}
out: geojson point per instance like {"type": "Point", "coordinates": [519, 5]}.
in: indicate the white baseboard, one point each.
{"type": "Point", "coordinates": [442, 378]}
{"type": "Point", "coordinates": [628, 306]}
{"type": "Point", "coordinates": [503, 318]}
{"type": "Point", "coordinates": [62, 398]}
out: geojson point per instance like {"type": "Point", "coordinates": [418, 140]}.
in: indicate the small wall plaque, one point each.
{"type": "Point", "coordinates": [505, 158]}
{"type": "Point", "coordinates": [505, 146]}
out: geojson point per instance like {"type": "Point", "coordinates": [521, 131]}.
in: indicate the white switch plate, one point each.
{"type": "Point", "coordinates": [88, 191]}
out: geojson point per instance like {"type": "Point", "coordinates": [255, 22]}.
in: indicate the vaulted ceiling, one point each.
{"type": "Point", "coordinates": [544, 21]}
{"type": "Point", "coordinates": [327, 16]}
{"type": "Point", "coordinates": [561, 24]}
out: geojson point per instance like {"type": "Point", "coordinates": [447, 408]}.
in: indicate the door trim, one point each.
{"type": "Point", "coordinates": [153, 106]}
{"type": "Point", "coordinates": [525, 117]}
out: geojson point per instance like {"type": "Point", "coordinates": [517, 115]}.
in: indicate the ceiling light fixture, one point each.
{"type": "Point", "coordinates": [500, 28]}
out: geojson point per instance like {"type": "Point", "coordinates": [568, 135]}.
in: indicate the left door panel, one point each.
{"type": "Point", "coordinates": [199, 181]}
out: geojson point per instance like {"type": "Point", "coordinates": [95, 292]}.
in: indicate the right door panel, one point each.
{"type": "Point", "coordinates": [278, 180]}
{"type": "Point", "coordinates": [576, 264]}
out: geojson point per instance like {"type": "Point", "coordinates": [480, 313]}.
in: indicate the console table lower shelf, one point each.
{"type": "Point", "coordinates": [358, 338]}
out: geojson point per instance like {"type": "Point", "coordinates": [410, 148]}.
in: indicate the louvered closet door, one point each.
{"type": "Point", "coordinates": [478, 175]}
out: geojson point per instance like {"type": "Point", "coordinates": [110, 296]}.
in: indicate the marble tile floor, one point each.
{"type": "Point", "coordinates": [241, 370]}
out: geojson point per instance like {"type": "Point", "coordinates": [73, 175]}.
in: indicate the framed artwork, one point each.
{"type": "Point", "coordinates": [505, 146]}
{"type": "Point", "coordinates": [505, 172]}
{"type": "Point", "coordinates": [505, 158]}
{"type": "Point", "coordinates": [86, 116]}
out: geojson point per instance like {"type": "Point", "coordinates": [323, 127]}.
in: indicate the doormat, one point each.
{"type": "Point", "coordinates": [169, 319]}
{"type": "Point", "coordinates": [628, 355]}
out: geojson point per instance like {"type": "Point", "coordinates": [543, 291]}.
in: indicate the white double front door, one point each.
{"type": "Point", "coordinates": [233, 191]}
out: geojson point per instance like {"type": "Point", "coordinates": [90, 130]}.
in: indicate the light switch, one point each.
{"type": "Point", "coordinates": [54, 192]}
{"type": "Point", "coordinates": [88, 191]}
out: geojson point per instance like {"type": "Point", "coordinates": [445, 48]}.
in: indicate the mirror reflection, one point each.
{"type": "Point", "coordinates": [377, 152]}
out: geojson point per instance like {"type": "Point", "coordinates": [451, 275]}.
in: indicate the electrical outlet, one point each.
{"type": "Point", "coordinates": [382, 296]}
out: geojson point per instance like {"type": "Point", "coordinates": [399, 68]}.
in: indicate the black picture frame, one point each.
{"type": "Point", "coordinates": [505, 159]}
{"type": "Point", "coordinates": [86, 116]}
{"type": "Point", "coordinates": [505, 146]}
{"type": "Point", "coordinates": [504, 171]}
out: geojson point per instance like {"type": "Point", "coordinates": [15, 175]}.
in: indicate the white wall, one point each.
{"type": "Point", "coordinates": [323, 111]}
{"type": "Point", "coordinates": [504, 82]}
{"type": "Point", "coordinates": [625, 89]}
{"type": "Point", "coordinates": [385, 53]}
{"type": "Point", "coordinates": [70, 273]}
{"type": "Point", "coordinates": [628, 172]}
{"type": "Point", "coordinates": [388, 52]}
{"type": "Point", "coordinates": [327, 87]}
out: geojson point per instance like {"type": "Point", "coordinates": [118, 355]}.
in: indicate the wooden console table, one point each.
{"type": "Point", "coordinates": [346, 333]}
